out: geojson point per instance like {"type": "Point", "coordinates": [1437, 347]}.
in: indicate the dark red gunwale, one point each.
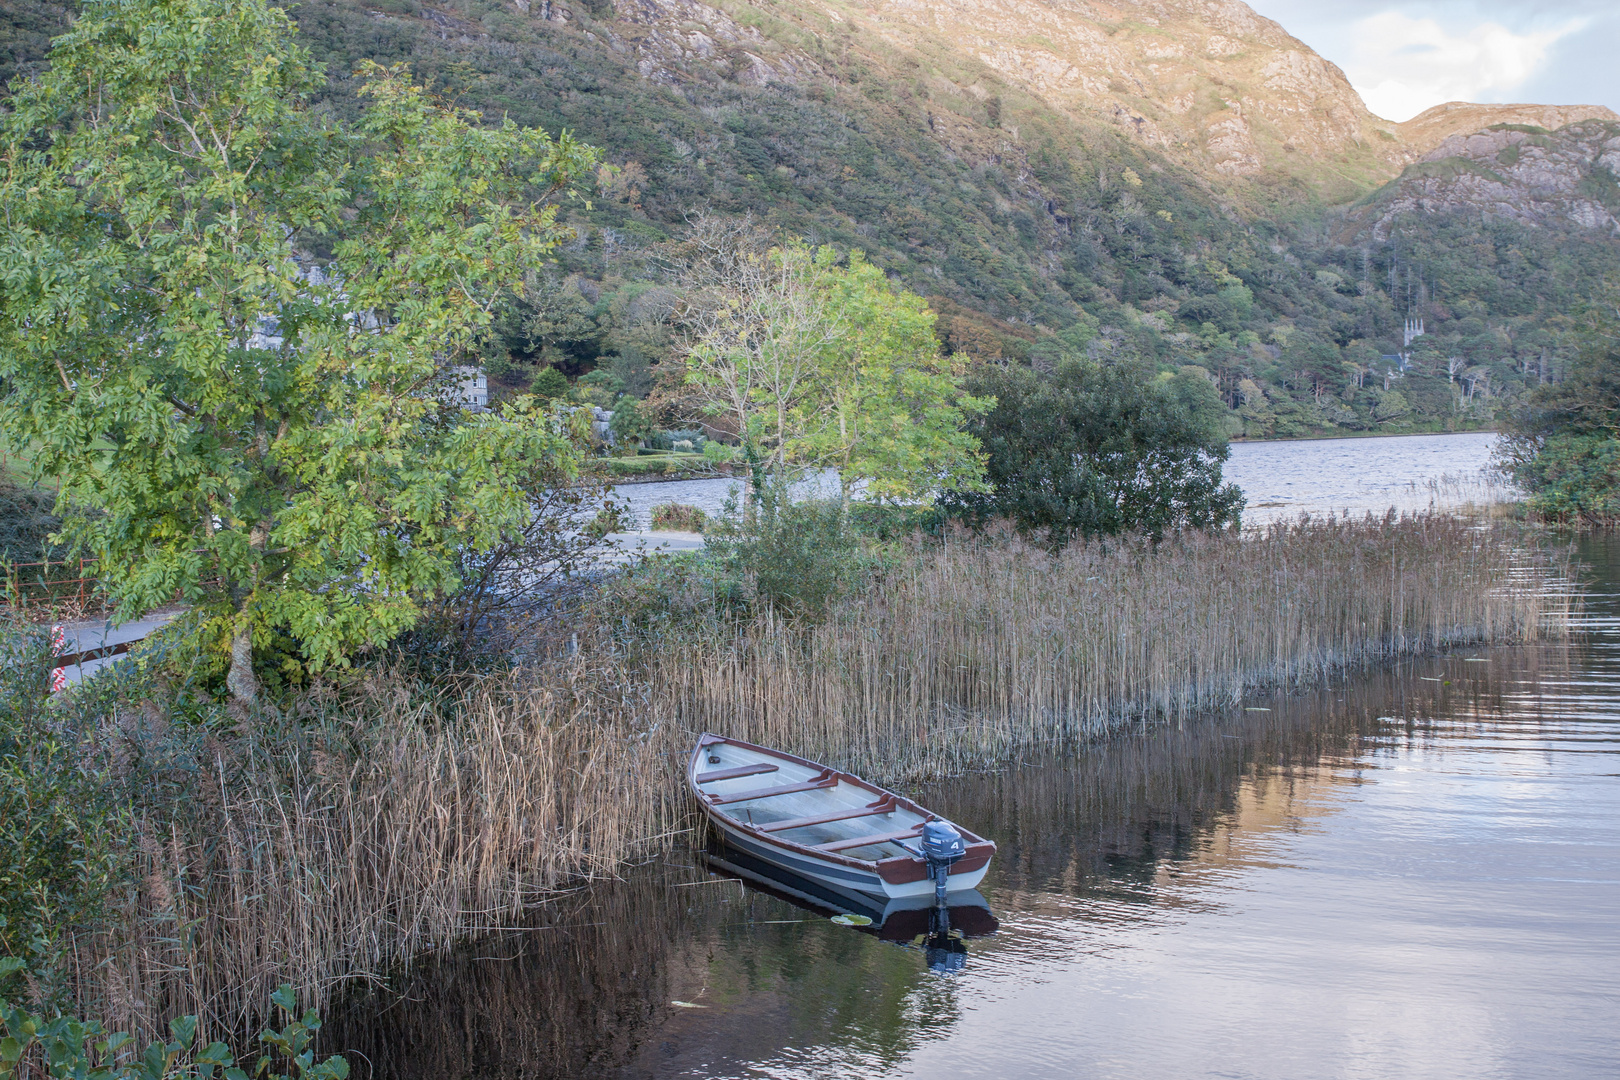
{"type": "Point", "coordinates": [899, 870]}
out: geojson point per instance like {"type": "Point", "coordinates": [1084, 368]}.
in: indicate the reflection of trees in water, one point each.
{"type": "Point", "coordinates": [568, 998]}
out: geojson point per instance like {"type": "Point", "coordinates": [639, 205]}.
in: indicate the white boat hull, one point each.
{"type": "Point", "coordinates": [840, 876]}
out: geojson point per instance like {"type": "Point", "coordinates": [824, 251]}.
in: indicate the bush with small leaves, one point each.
{"type": "Point", "coordinates": [64, 1046]}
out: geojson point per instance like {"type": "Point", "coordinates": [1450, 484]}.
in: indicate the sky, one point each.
{"type": "Point", "coordinates": [1405, 57]}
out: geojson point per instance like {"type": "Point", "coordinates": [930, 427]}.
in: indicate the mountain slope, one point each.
{"type": "Point", "coordinates": [1050, 187]}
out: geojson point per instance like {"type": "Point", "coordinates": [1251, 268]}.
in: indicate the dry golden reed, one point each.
{"type": "Point", "coordinates": [982, 645]}
{"type": "Point", "coordinates": [343, 850]}
{"type": "Point", "coordinates": [318, 865]}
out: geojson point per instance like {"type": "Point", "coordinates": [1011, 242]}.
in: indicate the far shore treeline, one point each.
{"type": "Point", "coordinates": [407, 691]}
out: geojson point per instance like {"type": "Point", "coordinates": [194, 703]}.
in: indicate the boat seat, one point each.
{"type": "Point", "coordinates": [827, 779]}
{"type": "Point", "coordinates": [870, 841]}
{"type": "Point", "coordinates": [882, 806]}
{"type": "Point", "coordinates": [741, 770]}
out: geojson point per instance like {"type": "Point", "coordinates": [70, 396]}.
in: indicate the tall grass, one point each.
{"type": "Point", "coordinates": [375, 828]}
{"type": "Point", "coordinates": [340, 851]}
{"type": "Point", "coordinates": [977, 647]}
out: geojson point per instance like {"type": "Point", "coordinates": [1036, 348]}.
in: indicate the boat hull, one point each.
{"type": "Point", "coordinates": [842, 875]}
{"type": "Point", "coordinates": [902, 919]}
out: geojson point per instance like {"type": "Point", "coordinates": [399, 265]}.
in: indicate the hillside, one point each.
{"type": "Point", "coordinates": [1512, 172]}
{"type": "Point", "coordinates": [1161, 177]}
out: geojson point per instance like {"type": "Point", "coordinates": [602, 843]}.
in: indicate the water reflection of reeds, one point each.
{"type": "Point", "coordinates": [590, 991]}
{"type": "Point", "coordinates": [630, 975]}
{"type": "Point", "coordinates": [381, 828]}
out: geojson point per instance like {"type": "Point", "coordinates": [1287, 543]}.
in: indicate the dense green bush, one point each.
{"type": "Point", "coordinates": [1097, 448]}
{"type": "Point", "coordinates": [27, 519]}
{"type": "Point", "coordinates": [68, 1047]}
{"type": "Point", "coordinates": [797, 555]}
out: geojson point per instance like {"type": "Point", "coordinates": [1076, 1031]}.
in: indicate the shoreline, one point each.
{"type": "Point", "coordinates": [1364, 435]}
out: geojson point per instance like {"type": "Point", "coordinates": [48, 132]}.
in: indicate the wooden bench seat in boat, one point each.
{"type": "Point", "coordinates": [741, 770]}
{"type": "Point", "coordinates": [828, 778]}
{"type": "Point", "coordinates": [870, 841]}
{"type": "Point", "coordinates": [882, 806]}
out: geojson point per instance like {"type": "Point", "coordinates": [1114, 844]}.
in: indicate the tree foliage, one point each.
{"type": "Point", "coordinates": [1097, 448]}
{"type": "Point", "coordinates": [1563, 444]}
{"type": "Point", "coordinates": [254, 427]}
{"type": "Point", "coordinates": [820, 363]}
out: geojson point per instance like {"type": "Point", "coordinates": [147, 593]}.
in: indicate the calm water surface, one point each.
{"type": "Point", "coordinates": [1278, 478]}
{"type": "Point", "coordinates": [1414, 874]}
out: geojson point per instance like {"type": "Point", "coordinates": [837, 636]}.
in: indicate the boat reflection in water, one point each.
{"type": "Point", "coordinates": [907, 920]}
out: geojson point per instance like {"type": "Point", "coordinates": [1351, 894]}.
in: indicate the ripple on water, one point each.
{"type": "Point", "coordinates": [1414, 874]}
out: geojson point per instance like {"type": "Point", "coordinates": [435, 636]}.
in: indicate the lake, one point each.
{"type": "Point", "coordinates": [1413, 873]}
{"type": "Point", "coordinates": [1278, 479]}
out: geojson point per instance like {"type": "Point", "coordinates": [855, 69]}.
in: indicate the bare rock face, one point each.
{"type": "Point", "coordinates": [1514, 172]}
{"type": "Point", "coordinates": [1209, 82]}
{"type": "Point", "coordinates": [665, 34]}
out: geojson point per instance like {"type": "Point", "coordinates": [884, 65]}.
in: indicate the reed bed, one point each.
{"type": "Point", "coordinates": [317, 860]}
{"type": "Point", "coordinates": [974, 649]}
{"type": "Point", "coordinates": [375, 829]}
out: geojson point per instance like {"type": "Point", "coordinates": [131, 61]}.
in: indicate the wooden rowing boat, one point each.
{"type": "Point", "coordinates": [823, 824]}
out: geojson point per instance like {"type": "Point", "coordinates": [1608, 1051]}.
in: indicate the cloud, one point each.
{"type": "Point", "coordinates": [1402, 65]}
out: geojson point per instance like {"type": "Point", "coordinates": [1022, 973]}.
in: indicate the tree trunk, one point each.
{"type": "Point", "coordinates": [242, 682]}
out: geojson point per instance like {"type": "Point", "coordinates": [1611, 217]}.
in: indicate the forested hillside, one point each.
{"type": "Point", "coordinates": [1035, 229]}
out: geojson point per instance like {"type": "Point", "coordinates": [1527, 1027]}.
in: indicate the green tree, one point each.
{"type": "Point", "coordinates": [1100, 448]}
{"type": "Point", "coordinates": [550, 383]}
{"type": "Point", "coordinates": [823, 364]}
{"type": "Point", "coordinates": [630, 424]}
{"type": "Point", "coordinates": [1562, 444]}
{"type": "Point", "coordinates": [884, 407]}
{"type": "Point", "coordinates": [252, 433]}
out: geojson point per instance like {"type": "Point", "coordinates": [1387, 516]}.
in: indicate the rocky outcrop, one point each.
{"type": "Point", "coordinates": [667, 34]}
{"type": "Point", "coordinates": [1514, 172]}
{"type": "Point", "coordinates": [1210, 84]}
{"type": "Point", "coordinates": [1428, 129]}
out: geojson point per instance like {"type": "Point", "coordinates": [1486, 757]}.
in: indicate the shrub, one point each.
{"type": "Point", "coordinates": [1101, 448]}
{"type": "Point", "coordinates": [666, 440]}
{"type": "Point", "coordinates": [68, 1046]}
{"type": "Point", "coordinates": [59, 825]}
{"type": "Point", "coordinates": [630, 423]}
{"type": "Point", "coordinates": [678, 517]}
{"type": "Point", "coordinates": [799, 556]}
{"type": "Point", "coordinates": [27, 518]}
{"type": "Point", "coordinates": [718, 453]}
{"type": "Point", "coordinates": [549, 384]}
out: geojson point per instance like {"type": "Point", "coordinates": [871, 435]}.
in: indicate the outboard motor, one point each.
{"type": "Point", "coordinates": [942, 845]}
